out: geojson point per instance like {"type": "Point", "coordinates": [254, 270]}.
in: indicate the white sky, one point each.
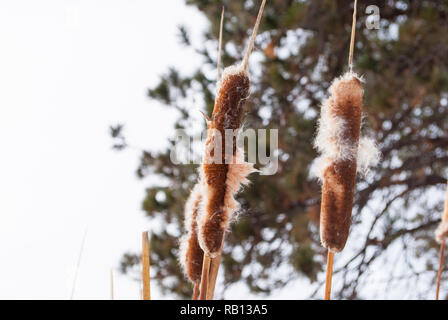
{"type": "Point", "coordinates": [69, 69]}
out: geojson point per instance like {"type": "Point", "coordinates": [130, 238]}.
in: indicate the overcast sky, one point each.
{"type": "Point", "coordinates": [69, 69]}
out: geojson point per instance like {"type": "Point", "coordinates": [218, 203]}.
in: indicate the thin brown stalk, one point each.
{"type": "Point", "coordinates": [111, 284]}
{"type": "Point", "coordinates": [352, 40]}
{"type": "Point", "coordinates": [330, 259]}
{"type": "Point", "coordinates": [252, 39]}
{"type": "Point", "coordinates": [439, 273]}
{"type": "Point", "coordinates": [146, 276]}
{"type": "Point", "coordinates": [204, 278]}
{"type": "Point", "coordinates": [220, 45]}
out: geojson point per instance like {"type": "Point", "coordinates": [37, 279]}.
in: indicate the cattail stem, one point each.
{"type": "Point", "coordinates": [330, 259]}
{"type": "Point", "coordinates": [352, 40]}
{"type": "Point", "coordinates": [252, 39]}
{"type": "Point", "coordinates": [196, 291]}
{"type": "Point", "coordinates": [204, 277]}
{"type": "Point", "coordinates": [213, 274]}
{"type": "Point", "coordinates": [220, 45]}
{"type": "Point", "coordinates": [439, 273]}
{"type": "Point", "coordinates": [145, 267]}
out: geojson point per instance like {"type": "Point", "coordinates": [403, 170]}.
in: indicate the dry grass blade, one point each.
{"type": "Point", "coordinates": [78, 264]}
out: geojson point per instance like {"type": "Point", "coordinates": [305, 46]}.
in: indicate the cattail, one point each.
{"type": "Point", "coordinates": [223, 180]}
{"type": "Point", "coordinates": [191, 254]}
{"type": "Point", "coordinates": [343, 154]}
{"type": "Point", "coordinates": [224, 177]}
{"type": "Point", "coordinates": [441, 234]}
{"type": "Point", "coordinates": [338, 140]}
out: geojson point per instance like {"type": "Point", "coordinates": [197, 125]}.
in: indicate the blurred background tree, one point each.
{"type": "Point", "coordinates": [302, 46]}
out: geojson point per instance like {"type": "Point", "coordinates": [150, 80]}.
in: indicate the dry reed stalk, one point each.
{"type": "Point", "coordinates": [221, 24]}
{"type": "Point", "coordinates": [352, 38]}
{"type": "Point", "coordinates": [78, 264]}
{"type": "Point", "coordinates": [146, 276]}
{"type": "Point", "coordinates": [224, 178]}
{"type": "Point", "coordinates": [330, 259]}
{"type": "Point", "coordinates": [111, 278]}
{"type": "Point", "coordinates": [343, 154]}
{"type": "Point", "coordinates": [441, 235]}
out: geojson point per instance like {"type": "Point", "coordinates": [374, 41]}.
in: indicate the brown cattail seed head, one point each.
{"type": "Point", "coordinates": [343, 111]}
{"type": "Point", "coordinates": [219, 204]}
{"type": "Point", "coordinates": [191, 254]}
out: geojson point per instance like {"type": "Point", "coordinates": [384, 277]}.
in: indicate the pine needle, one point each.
{"type": "Point", "coordinates": [220, 45]}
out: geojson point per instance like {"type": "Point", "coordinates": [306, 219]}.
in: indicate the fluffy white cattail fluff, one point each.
{"type": "Point", "coordinates": [442, 230]}
{"type": "Point", "coordinates": [368, 155]}
{"type": "Point", "coordinates": [334, 145]}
